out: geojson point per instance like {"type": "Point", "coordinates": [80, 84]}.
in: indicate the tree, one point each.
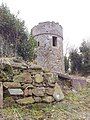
{"type": "Point", "coordinates": [76, 61]}
{"type": "Point", "coordinates": [15, 34]}
{"type": "Point", "coordinates": [85, 52]}
{"type": "Point", "coordinates": [26, 49]}
{"type": "Point", "coordinates": [12, 29]}
{"type": "Point", "coordinates": [80, 61]}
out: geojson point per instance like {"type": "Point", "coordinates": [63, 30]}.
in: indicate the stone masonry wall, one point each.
{"type": "Point", "coordinates": [49, 56]}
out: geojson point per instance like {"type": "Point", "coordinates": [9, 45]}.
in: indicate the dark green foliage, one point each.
{"type": "Point", "coordinates": [80, 61]}
{"type": "Point", "coordinates": [85, 52]}
{"type": "Point", "coordinates": [26, 49]}
{"type": "Point", "coordinates": [66, 63]}
{"type": "Point", "coordinates": [11, 28]}
{"type": "Point", "coordinates": [76, 61]}
{"type": "Point", "coordinates": [14, 32]}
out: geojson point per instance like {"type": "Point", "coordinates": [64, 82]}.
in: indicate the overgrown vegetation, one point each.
{"type": "Point", "coordinates": [79, 60]}
{"type": "Point", "coordinates": [15, 34]}
{"type": "Point", "coordinates": [26, 49]}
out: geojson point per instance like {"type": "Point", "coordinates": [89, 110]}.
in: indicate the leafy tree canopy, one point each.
{"type": "Point", "coordinates": [75, 60]}
{"type": "Point", "coordinates": [26, 49]}
{"type": "Point", "coordinates": [11, 27]}
{"type": "Point", "coordinates": [80, 61]}
{"type": "Point", "coordinates": [14, 32]}
{"type": "Point", "coordinates": [85, 52]}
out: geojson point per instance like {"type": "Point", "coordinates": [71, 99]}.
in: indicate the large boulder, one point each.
{"type": "Point", "coordinates": [58, 94]}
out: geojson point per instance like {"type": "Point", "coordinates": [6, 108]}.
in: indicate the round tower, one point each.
{"type": "Point", "coordinates": [49, 37]}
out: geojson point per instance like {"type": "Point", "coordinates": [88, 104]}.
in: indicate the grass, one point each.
{"type": "Point", "coordinates": [75, 106]}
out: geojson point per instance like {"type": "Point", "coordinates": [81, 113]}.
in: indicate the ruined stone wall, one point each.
{"type": "Point", "coordinates": [49, 56]}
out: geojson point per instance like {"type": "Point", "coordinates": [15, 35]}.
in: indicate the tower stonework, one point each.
{"type": "Point", "coordinates": [49, 37]}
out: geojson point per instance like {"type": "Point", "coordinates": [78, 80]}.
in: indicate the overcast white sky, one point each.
{"type": "Point", "coordinates": [73, 15]}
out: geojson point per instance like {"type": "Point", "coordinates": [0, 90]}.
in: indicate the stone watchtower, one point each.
{"type": "Point", "coordinates": [49, 37]}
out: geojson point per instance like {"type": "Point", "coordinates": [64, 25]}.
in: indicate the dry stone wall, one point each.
{"type": "Point", "coordinates": [30, 84]}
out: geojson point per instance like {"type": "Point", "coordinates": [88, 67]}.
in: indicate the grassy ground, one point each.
{"type": "Point", "coordinates": [75, 106]}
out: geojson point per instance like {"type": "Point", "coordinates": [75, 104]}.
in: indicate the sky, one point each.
{"type": "Point", "coordinates": [73, 15]}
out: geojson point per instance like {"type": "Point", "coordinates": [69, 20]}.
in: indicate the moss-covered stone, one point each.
{"type": "Point", "coordinates": [23, 77]}
{"type": "Point", "coordinates": [11, 85]}
{"type": "Point", "coordinates": [48, 99]}
{"type": "Point", "coordinates": [18, 78]}
{"type": "Point", "coordinates": [38, 78]}
{"type": "Point", "coordinates": [49, 77]}
{"type": "Point", "coordinates": [49, 91]}
{"type": "Point", "coordinates": [25, 101]}
{"type": "Point", "coordinates": [38, 91]}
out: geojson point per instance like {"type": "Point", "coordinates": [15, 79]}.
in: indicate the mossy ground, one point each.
{"type": "Point", "coordinates": [75, 106]}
